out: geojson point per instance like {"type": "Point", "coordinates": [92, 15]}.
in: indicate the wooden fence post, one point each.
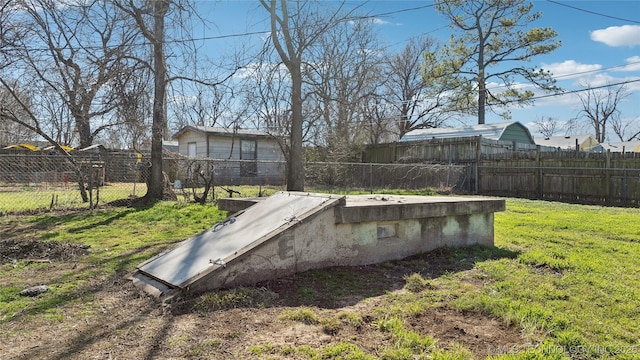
{"type": "Point", "coordinates": [540, 180]}
{"type": "Point", "coordinates": [625, 200]}
{"type": "Point", "coordinates": [607, 177]}
{"type": "Point", "coordinates": [478, 157]}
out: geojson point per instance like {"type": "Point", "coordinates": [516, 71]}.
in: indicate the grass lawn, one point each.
{"type": "Point", "coordinates": [38, 197]}
{"type": "Point", "coordinates": [563, 280]}
{"type": "Point", "coordinates": [576, 276]}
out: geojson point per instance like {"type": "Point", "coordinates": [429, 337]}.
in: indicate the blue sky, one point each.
{"type": "Point", "coordinates": [600, 45]}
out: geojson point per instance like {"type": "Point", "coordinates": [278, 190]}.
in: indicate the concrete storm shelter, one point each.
{"type": "Point", "coordinates": [291, 232]}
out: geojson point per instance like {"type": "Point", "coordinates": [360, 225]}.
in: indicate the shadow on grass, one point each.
{"type": "Point", "coordinates": [101, 217]}
{"type": "Point", "coordinates": [337, 287]}
{"type": "Point", "coordinates": [49, 221]}
{"type": "Point", "coordinates": [92, 273]}
{"type": "Point", "coordinates": [325, 288]}
{"type": "Point", "coordinates": [107, 275]}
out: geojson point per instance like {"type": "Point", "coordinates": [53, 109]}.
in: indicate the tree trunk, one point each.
{"type": "Point", "coordinates": [295, 174]}
{"type": "Point", "coordinates": [155, 189]}
{"type": "Point", "coordinates": [482, 99]}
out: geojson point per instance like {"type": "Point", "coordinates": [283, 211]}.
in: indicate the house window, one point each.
{"type": "Point", "coordinates": [248, 155]}
{"type": "Point", "coordinates": [191, 149]}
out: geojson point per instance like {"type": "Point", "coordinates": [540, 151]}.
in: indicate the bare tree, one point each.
{"type": "Point", "coordinates": [626, 130]}
{"type": "Point", "coordinates": [379, 118]}
{"type": "Point", "coordinates": [202, 105]}
{"type": "Point", "coordinates": [268, 97]}
{"type": "Point", "coordinates": [134, 111]}
{"type": "Point", "coordinates": [548, 126]}
{"type": "Point", "coordinates": [344, 72]}
{"type": "Point", "coordinates": [21, 114]}
{"type": "Point", "coordinates": [10, 131]}
{"type": "Point", "coordinates": [11, 31]}
{"type": "Point", "coordinates": [600, 107]}
{"type": "Point", "coordinates": [416, 105]}
{"type": "Point", "coordinates": [68, 49]}
{"type": "Point", "coordinates": [150, 20]}
{"type": "Point", "coordinates": [290, 40]}
{"type": "Point", "coordinates": [75, 50]}
{"type": "Point", "coordinates": [58, 114]}
{"type": "Point", "coordinates": [292, 34]}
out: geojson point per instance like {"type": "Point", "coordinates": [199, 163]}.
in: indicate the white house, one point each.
{"type": "Point", "coordinates": [241, 156]}
{"type": "Point", "coordinates": [584, 142]}
{"type": "Point", "coordinates": [625, 146]}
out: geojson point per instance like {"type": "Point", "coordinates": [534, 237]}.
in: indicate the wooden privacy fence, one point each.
{"type": "Point", "coordinates": [603, 179]}
{"type": "Point", "coordinates": [506, 168]}
{"type": "Point", "coordinates": [460, 150]}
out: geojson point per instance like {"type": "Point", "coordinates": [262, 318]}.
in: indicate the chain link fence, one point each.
{"type": "Point", "coordinates": [374, 177]}
{"type": "Point", "coordinates": [30, 182]}
{"type": "Point", "coordinates": [48, 181]}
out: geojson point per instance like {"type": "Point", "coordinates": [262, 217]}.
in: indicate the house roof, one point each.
{"type": "Point", "coordinates": [567, 142]}
{"type": "Point", "coordinates": [94, 147]}
{"type": "Point", "coordinates": [170, 145]}
{"type": "Point", "coordinates": [507, 131]}
{"type": "Point", "coordinates": [32, 147]}
{"type": "Point", "coordinates": [628, 146]}
{"type": "Point", "coordinates": [22, 147]}
{"type": "Point", "coordinates": [221, 131]}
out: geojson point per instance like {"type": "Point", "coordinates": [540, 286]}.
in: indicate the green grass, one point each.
{"type": "Point", "coordinates": [566, 275]}
{"type": "Point", "coordinates": [303, 315]}
{"type": "Point", "coordinates": [576, 277]}
{"type": "Point", "coordinates": [241, 297]}
{"type": "Point", "coordinates": [40, 196]}
{"type": "Point", "coordinates": [27, 198]}
{"type": "Point", "coordinates": [119, 240]}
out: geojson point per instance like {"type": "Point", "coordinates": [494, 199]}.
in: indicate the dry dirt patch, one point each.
{"type": "Point", "coordinates": [110, 318]}
{"type": "Point", "coordinates": [39, 251]}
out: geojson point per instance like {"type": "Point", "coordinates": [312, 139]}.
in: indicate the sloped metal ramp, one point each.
{"type": "Point", "coordinates": [218, 246]}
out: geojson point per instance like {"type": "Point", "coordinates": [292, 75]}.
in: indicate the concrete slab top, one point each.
{"type": "Point", "coordinates": [383, 199]}
{"type": "Point", "coordinates": [382, 207]}
{"type": "Point", "coordinates": [364, 208]}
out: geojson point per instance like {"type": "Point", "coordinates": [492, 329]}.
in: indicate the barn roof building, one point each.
{"type": "Point", "coordinates": [506, 131]}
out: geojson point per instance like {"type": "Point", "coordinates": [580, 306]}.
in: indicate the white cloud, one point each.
{"type": "Point", "coordinates": [257, 71]}
{"type": "Point", "coordinates": [570, 69]}
{"type": "Point", "coordinates": [626, 35]}
{"type": "Point", "coordinates": [633, 64]}
{"type": "Point", "coordinates": [596, 80]}
{"type": "Point", "coordinates": [379, 21]}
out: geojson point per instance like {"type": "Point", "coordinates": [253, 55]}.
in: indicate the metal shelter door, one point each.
{"type": "Point", "coordinates": [222, 242]}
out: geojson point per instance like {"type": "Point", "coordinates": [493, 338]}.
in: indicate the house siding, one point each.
{"type": "Point", "coordinates": [223, 147]}
{"type": "Point", "coordinates": [192, 137]}
{"type": "Point", "coordinates": [224, 150]}
{"type": "Point", "coordinates": [516, 132]}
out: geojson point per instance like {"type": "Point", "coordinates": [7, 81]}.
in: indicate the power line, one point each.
{"type": "Point", "coordinates": [569, 92]}
{"type": "Point", "coordinates": [263, 32]}
{"type": "Point", "coordinates": [384, 14]}
{"type": "Point", "coordinates": [590, 88]}
{"type": "Point", "coordinates": [597, 70]}
{"type": "Point", "coordinates": [362, 17]}
{"type": "Point", "coordinates": [575, 74]}
{"type": "Point", "coordinates": [593, 12]}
